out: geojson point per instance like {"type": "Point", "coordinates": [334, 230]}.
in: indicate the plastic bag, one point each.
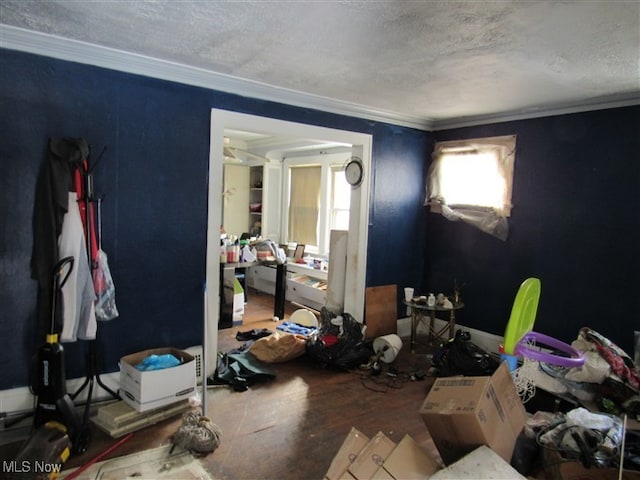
{"type": "Point", "coordinates": [594, 370]}
{"type": "Point", "coordinates": [486, 220]}
{"type": "Point", "coordinates": [105, 290]}
{"type": "Point", "coordinates": [157, 362]}
{"type": "Point", "coordinates": [584, 418]}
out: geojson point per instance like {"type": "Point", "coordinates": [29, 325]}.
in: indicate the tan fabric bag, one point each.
{"type": "Point", "coordinates": [279, 347]}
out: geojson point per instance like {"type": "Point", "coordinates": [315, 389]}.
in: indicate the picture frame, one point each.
{"type": "Point", "coordinates": [299, 252]}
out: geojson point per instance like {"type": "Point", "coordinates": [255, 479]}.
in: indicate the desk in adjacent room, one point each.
{"type": "Point", "coordinates": [227, 279]}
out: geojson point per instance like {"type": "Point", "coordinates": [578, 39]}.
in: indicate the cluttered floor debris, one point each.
{"type": "Point", "coordinates": [157, 463]}
{"type": "Point", "coordinates": [317, 419]}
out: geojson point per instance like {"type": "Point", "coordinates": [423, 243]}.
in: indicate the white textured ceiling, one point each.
{"type": "Point", "coordinates": [433, 60]}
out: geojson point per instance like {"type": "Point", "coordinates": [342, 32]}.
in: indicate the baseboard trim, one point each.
{"type": "Point", "coordinates": [485, 340]}
{"type": "Point", "coordinates": [16, 401]}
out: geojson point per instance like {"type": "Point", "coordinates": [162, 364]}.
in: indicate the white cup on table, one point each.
{"type": "Point", "coordinates": [408, 295]}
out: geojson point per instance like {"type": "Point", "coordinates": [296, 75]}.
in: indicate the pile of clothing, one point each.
{"type": "Point", "coordinates": [608, 377]}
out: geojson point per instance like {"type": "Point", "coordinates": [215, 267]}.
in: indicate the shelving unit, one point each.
{"type": "Point", "coordinates": [306, 286]}
{"type": "Point", "coordinates": [255, 200]}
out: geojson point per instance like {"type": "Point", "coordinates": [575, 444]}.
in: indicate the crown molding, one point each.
{"type": "Point", "coordinates": [600, 103]}
{"type": "Point", "coordinates": [14, 38]}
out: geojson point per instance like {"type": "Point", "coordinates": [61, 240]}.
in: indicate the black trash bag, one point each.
{"type": "Point", "coordinates": [338, 343]}
{"type": "Point", "coordinates": [460, 356]}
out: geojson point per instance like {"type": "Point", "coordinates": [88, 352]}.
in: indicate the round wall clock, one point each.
{"type": "Point", "coordinates": [354, 171]}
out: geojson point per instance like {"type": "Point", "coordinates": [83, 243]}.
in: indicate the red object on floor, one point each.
{"type": "Point", "coordinates": [98, 457]}
{"type": "Point", "coordinates": [329, 340]}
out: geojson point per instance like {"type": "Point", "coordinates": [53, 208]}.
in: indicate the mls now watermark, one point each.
{"type": "Point", "coordinates": [26, 466]}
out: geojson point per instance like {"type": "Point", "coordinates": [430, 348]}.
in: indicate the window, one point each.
{"type": "Point", "coordinates": [340, 200]}
{"type": "Point", "coordinates": [304, 204]}
{"type": "Point", "coordinates": [472, 180]}
{"type": "Point", "coordinates": [319, 199]}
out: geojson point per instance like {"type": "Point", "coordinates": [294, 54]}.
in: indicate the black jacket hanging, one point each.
{"type": "Point", "coordinates": [51, 203]}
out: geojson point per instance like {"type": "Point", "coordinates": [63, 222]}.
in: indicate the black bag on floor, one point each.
{"type": "Point", "coordinates": [338, 346]}
{"type": "Point", "coordinates": [460, 356]}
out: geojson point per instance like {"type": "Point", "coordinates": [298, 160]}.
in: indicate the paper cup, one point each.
{"type": "Point", "coordinates": [408, 295]}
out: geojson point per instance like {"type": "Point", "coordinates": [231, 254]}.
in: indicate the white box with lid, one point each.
{"type": "Point", "coordinates": [146, 390]}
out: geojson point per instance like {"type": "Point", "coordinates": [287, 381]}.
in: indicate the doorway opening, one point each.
{"type": "Point", "coordinates": [354, 286]}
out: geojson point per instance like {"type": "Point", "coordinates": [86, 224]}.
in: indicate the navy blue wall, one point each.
{"type": "Point", "coordinates": [575, 225]}
{"type": "Point", "coordinates": [575, 222]}
{"type": "Point", "coordinates": [397, 239]}
{"type": "Point", "coordinates": [154, 178]}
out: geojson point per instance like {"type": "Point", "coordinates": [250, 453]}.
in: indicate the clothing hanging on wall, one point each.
{"type": "Point", "coordinates": [51, 204]}
{"type": "Point", "coordinates": [78, 294]}
{"type": "Point", "coordinates": [64, 227]}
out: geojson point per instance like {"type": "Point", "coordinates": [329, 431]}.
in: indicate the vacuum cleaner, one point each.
{"type": "Point", "coordinates": [42, 456]}
{"type": "Point", "coordinates": [53, 402]}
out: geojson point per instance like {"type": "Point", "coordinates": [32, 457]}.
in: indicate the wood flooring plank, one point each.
{"type": "Point", "coordinates": [290, 427]}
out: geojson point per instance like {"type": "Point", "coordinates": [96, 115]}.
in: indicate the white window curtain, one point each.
{"type": "Point", "coordinates": [304, 204]}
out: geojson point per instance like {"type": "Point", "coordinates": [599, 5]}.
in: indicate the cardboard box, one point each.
{"type": "Point", "coordinates": [238, 303]}
{"type": "Point", "coordinates": [347, 453]}
{"type": "Point", "coordinates": [463, 413]}
{"type": "Point", "coordinates": [382, 474]}
{"type": "Point", "coordinates": [379, 458]}
{"type": "Point", "coordinates": [374, 453]}
{"type": "Point", "coordinates": [146, 390]}
{"type": "Point", "coordinates": [408, 461]}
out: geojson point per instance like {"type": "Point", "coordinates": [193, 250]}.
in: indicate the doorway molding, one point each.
{"type": "Point", "coordinates": [354, 294]}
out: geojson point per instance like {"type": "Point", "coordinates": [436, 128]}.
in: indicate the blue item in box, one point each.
{"type": "Point", "coordinates": [157, 362]}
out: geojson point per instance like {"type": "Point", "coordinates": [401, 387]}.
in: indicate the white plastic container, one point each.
{"type": "Point", "coordinates": [390, 345]}
{"type": "Point", "coordinates": [431, 300]}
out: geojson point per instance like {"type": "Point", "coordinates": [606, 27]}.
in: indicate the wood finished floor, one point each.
{"type": "Point", "coordinates": [292, 426]}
